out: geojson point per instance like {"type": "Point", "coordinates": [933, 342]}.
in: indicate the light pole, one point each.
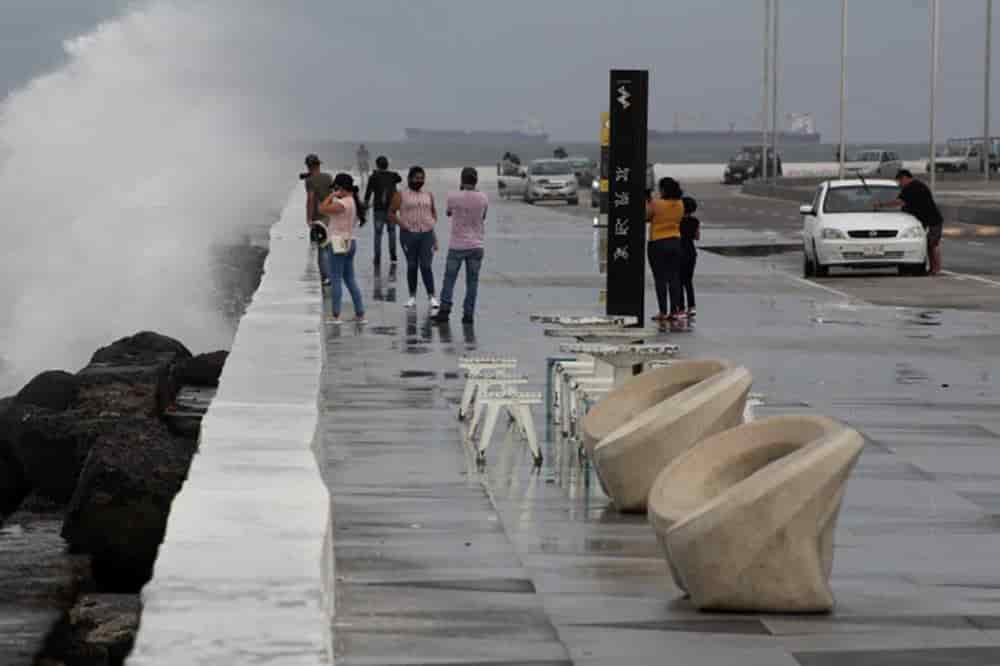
{"type": "Point", "coordinates": [775, 126]}
{"type": "Point", "coordinates": [842, 157]}
{"type": "Point", "coordinates": [935, 29]}
{"type": "Point", "coordinates": [987, 150]}
{"type": "Point", "coordinates": [764, 115]}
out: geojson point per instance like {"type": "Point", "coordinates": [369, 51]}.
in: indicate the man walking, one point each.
{"type": "Point", "coordinates": [363, 163]}
{"type": "Point", "coordinates": [381, 188]}
{"type": "Point", "coordinates": [319, 185]}
{"type": "Point", "coordinates": [916, 199]}
{"type": "Point", "coordinates": [467, 210]}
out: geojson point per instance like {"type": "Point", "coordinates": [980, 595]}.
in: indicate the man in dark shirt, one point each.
{"type": "Point", "coordinates": [381, 187]}
{"type": "Point", "coordinates": [916, 199]}
{"type": "Point", "coordinates": [319, 185]}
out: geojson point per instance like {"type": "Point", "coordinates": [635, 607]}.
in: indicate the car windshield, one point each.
{"type": "Point", "coordinates": [745, 157]}
{"type": "Point", "coordinates": [857, 198]}
{"type": "Point", "coordinates": [553, 168]}
{"type": "Point", "coordinates": [579, 162]}
{"type": "Point", "coordinates": [867, 156]}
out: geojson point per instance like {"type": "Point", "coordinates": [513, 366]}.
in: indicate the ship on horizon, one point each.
{"type": "Point", "coordinates": [480, 137]}
{"type": "Point", "coordinates": [800, 128]}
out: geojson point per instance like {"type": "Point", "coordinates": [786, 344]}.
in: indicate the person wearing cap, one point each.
{"type": "Point", "coordinates": [467, 209]}
{"type": "Point", "coordinates": [318, 185]}
{"type": "Point", "coordinates": [917, 199]}
{"type": "Point", "coordinates": [345, 212]}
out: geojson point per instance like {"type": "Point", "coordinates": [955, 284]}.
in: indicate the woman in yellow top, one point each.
{"type": "Point", "coordinates": [664, 215]}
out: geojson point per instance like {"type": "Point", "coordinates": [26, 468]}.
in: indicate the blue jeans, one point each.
{"type": "Point", "coordinates": [473, 262]}
{"type": "Point", "coordinates": [340, 267]}
{"type": "Point", "coordinates": [381, 220]}
{"type": "Point", "coordinates": [418, 246]}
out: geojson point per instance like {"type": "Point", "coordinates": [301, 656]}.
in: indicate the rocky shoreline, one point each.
{"type": "Point", "coordinates": [89, 465]}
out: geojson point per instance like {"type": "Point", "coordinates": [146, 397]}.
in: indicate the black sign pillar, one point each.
{"type": "Point", "coordinates": [626, 277]}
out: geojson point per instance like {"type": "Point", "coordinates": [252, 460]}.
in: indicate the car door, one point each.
{"type": "Point", "coordinates": [810, 222]}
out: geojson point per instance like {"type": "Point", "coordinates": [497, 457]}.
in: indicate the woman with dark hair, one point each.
{"type": "Point", "coordinates": [664, 215]}
{"type": "Point", "coordinates": [345, 212]}
{"type": "Point", "coordinates": [413, 210]}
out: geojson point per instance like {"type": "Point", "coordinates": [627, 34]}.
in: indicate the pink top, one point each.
{"type": "Point", "coordinates": [342, 224]}
{"type": "Point", "coordinates": [416, 210]}
{"type": "Point", "coordinates": [467, 209]}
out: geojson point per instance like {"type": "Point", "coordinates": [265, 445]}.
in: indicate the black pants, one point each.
{"type": "Point", "coordinates": [665, 261]}
{"type": "Point", "coordinates": [689, 257]}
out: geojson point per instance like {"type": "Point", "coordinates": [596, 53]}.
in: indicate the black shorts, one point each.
{"type": "Point", "coordinates": [934, 235]}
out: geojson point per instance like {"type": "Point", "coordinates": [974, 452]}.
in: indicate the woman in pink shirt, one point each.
{"type": "Point", "coordinates": [413, 210]}
{"type": "Point", "coordinates": [345, 210]}
{"type": "Point", "coordinates": [467, 210]}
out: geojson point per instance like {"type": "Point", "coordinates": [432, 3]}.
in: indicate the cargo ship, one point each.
{"type": "Point", "coordinates": [476, 137]}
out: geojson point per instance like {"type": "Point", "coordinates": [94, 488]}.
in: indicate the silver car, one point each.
{"type": "Point", "coordinates": [551, 180]}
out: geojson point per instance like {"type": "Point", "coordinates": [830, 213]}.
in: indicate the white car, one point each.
{"type": "Point", "coordinates": [842, 227]}
{"type": "Point", "coordinates": [874, 162]}
{"type": "Point", "coordinates": [551, 180]}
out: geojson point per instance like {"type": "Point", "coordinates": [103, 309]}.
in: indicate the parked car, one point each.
{"type": "Point", "coordinates": [550, 179]}
{"type": "Point", "coordinates": [957, 159]}
{"type": "Point", "coordinates": [875, 163]}
{"type": "Point", "coordinates": [841, 227]}
{"type": "Point", "coordinates": [749, 163]}
{"type": "Point", "coordinates": [511, 182]}
{"type": "Point", "coordinates": [585, 170]}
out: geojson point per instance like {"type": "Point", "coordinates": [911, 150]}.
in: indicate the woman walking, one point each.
{"type": "Point", "coordinates": [345, 211]}
{"type": "Point", "coordinates": [414, 211]}
{"type": "Point", "coordinates": [690, 232]}
{"type": "Point", "coordinates": [664, 215]}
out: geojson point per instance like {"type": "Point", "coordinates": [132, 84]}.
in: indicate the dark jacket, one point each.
{"type": "Point", "coordinates": [381, 187]}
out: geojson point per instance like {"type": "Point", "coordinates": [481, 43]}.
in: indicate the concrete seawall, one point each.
{"type": "Point", "coordinates": [238, 577]}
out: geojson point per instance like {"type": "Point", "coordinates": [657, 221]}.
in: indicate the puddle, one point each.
{"type": "Point", "coordinates": [384, 330]}
{"type": "Point", "coordinates": [752, 249]}
{"type": "Point", "coordinates": [415, 374]}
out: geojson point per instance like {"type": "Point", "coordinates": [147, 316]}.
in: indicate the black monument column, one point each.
{"type": "Point", "coordinates": [626, 277]}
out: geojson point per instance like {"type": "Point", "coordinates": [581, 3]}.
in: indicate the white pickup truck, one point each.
{"type": "Point", "coordinates": [874, 163]}
{"type": "Point", "coordinates": [956, 159]}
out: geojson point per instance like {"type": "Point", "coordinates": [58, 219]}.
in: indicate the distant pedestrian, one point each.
{"type": "Point", "coordinates": [690, 232]}
{"type": "Point", "coordinates": [414, 211]}
{"type": "Point", "coordinates": [318, 185]}
{"type": "Point", "coordinates": [346, 212]}
{"type": "Point", "coordinates": [917, 199]}
{"type": "Point", "coordinates": [380, 191]}
{"type": "Point", "coordinates": [364, 163]}
{"type": "Point", "coordinates": [664, 214]}
{"type": "Point", "coordinates": [467, 210]}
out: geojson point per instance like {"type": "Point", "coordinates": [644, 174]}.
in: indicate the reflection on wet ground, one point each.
{"type": "Point", "coordinates": [439, 562]}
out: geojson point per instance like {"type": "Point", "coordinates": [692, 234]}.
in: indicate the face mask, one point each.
{"type": "Point", "coordinates": [416, 185]}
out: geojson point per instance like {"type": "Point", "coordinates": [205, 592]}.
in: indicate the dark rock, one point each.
{"type": "Point", "coordinates": [201, 370]}
{"type": "Point", "coordinates": [14, 486]}
{"type": "Point", "coordinates": [125, 390]}
{"type": "Point", "coordinates": [142, 348]}
{"type": "Point", "coordinates": [99, 630]}
{"type": "Point", "coordinates": [53, 389]}
{"type": "Point", "coordinates": [52, 446]}
{"type": "Point", "coordinates": [118, 513]}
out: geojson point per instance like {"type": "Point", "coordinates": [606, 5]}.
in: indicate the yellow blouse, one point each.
{"type": "Point", "coordinates": [666, 221]}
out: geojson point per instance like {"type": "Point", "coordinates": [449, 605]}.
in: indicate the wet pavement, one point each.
{"type": "Point", "coordinates": [437, 562]}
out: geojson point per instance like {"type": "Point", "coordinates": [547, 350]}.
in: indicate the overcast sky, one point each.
{"type": "Point", "coordinates": [377, 66]}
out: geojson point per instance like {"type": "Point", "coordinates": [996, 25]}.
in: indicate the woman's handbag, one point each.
{"type": "Point", "coordinates": [340, 245]}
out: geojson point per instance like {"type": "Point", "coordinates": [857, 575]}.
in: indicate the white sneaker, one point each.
{"type": "Point", "coordinates": [434, 303]}
{"type": "Point", "coordinates": [412, 303]}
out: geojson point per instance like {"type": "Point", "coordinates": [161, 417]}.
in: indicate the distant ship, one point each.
{"type": "Point", "coordinates": [477, 137]}
{"type": "Point", "coordinates": [732, 137]}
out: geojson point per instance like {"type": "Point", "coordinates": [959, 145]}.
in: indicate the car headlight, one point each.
{"type": "Point", "coordinates": [916, 231]}
{"type": "Point", "coordinates": [833, 234]}
{"type": "Point", "coordinates": [596, 185]}
{"type": "Point", "coordinates": [751, 170]}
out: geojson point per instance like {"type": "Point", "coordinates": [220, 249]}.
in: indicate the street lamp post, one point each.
{"type": "Point", "coordinates": [764, 115]}
{"type": "Point", "coordinates": [775, 126]}
{"type": "Point", "coordinates": [935, 29]}
{"type": "Point", "coordinates": [842, 157]}
{"type": "Point", "coordinates": [987, 150]}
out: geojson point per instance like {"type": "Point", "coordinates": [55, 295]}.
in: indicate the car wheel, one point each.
{"type": "Point", "coordinates": [527, 198]}
{"type": "Point", "coordinates": [573, 202]}
{"type": "Point", "coordinates": [808, 267]}
{"type": "Point", "coordinates": [821, 270]}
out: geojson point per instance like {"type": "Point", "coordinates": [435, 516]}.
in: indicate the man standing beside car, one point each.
{"type": "Point", "coordinates": [916, 199]}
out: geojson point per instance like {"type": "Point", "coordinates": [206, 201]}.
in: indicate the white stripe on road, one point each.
{"type": "Point", "coordinates": [817, 285]}
{"type": "Point", "coordinates": [966, 276]}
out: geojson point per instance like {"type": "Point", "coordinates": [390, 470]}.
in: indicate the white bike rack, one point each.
{"type": "Point", "coordinates": [518, 405]}
{"type": "Point", "coordinates": [482, 372]}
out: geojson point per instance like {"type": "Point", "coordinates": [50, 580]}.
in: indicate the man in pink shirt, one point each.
{"type": "Point", "coordinates": [467, 210]}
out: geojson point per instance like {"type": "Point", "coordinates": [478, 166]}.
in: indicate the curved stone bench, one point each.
{"type": "Point", "coordinates": [746, 517]}
{"type": "Point", "coordinates": [654, 417]}
{"type": "Point", "coordinates": [637, 394]}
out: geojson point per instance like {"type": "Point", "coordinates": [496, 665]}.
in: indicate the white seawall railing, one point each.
{"type": "Point", "coordinates": [238, 577]}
